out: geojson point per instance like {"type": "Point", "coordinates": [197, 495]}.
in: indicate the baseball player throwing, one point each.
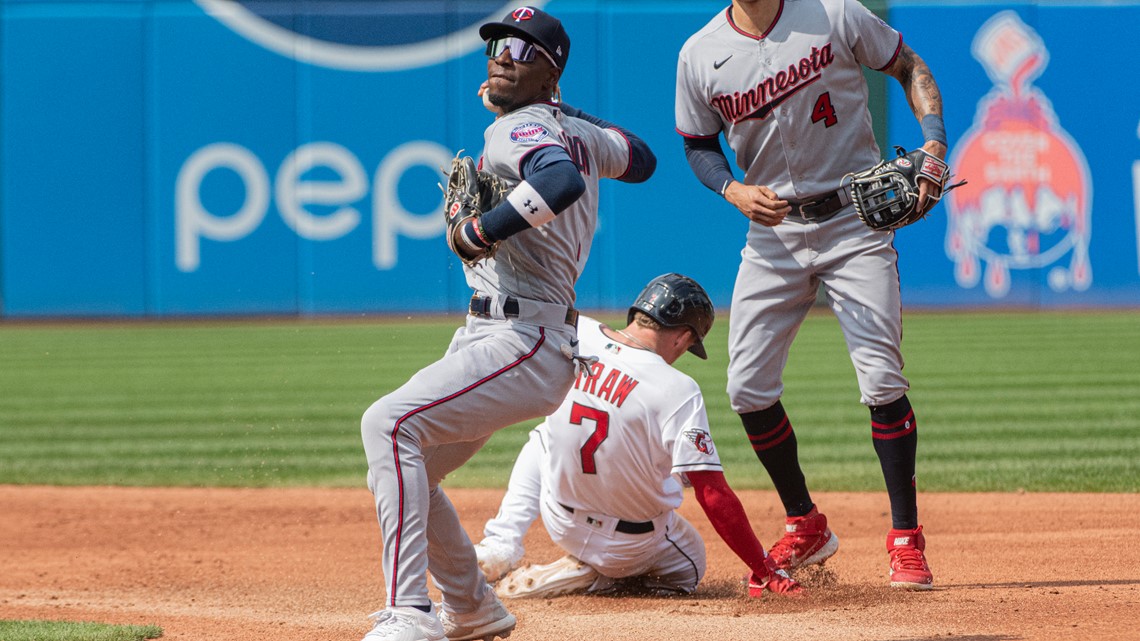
{"type": "Point", "coordinates": [782, 81]}
{"type": "Point", "coordinates": [515, 358]}
{"type": "Point", "coordinates": [606, 469]}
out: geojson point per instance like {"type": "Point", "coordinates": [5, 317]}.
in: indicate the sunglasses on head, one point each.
{"type": "Point", "coordinates": [521, 50]}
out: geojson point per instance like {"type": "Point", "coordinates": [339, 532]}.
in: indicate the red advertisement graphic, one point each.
{"type": "Point", "coordinates": [1028, 201]}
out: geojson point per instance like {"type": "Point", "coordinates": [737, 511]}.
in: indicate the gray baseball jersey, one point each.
{"type": "Point", "coordinates": [792, 103]}
{"type": "Point", "coordinates": [544, 262]}
{"type": "Point", "coordinates": [497, 371]}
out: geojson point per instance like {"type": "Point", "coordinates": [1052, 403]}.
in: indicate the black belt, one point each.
{"type": "Point", "coordinates": [481, 306]}
{"type": "Point", "coordinates": [818, 210]}
{"type": "Point", "coordinates": [625, 527]}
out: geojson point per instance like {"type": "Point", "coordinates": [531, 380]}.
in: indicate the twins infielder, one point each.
{"type": "Point", "coordinates": [607, 468]}
{"type": "Point", "coordinates": [782, 81]}
{"type": "Point", "coordinates": [514, 358]}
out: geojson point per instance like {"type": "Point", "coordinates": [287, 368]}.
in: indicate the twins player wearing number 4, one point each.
{"type": "Point", "coordinates": [782, 81]}
{"type": "Point", "coordinates": [606, 469]}
{"type": "Point", "coordinates": [515, 358]}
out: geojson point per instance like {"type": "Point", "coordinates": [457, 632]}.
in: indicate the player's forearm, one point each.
{"type": "Point", "coordinates": [923, 96]}
{"type": "Point", "coordinates": [533, 202]}
{"type": "Point", "coordinates": [708, 162]}
{"type": "Point", "coordinates": [918, 83]}
{"type": "Point", "coordinates": [728, 518]}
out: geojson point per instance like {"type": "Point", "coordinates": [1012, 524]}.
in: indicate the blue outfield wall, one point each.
{"type": "Point", "coordinates": [163, 157]}
{"type": "Point", "coordinates": [1046, 130]}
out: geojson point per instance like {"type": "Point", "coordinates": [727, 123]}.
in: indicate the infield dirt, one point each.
{"type": "Point", "coordinates": [303, 565]}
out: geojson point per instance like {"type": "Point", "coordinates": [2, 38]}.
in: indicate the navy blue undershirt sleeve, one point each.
{"type": "Point", "coordinates": [553, 175]}
{"type": "Point", "coordinates": [708, 162]}
{"type": "Point", "coordinates": [642, 163]}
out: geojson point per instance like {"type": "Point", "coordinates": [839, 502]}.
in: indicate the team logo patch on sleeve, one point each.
{"type": "Point", "coordinates": [529, 132]}
{"type": "Point", "coordinates": [701, 440]}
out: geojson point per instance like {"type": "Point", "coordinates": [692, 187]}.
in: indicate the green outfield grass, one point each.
{"type": "Point", "coordinates": [1034, 401]}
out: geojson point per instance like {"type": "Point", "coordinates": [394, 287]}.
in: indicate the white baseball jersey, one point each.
{"type": "Point", "coordinates": [543, 263]}
{"type": "Point", "coordinates": [627, 432]}
{"type": "Point", "coordinates": [792, 103]}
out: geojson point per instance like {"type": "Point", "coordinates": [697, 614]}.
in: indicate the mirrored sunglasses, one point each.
{"type": "Point", "coordinates": [521, 50]}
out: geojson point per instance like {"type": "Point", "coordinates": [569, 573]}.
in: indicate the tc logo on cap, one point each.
{"type": "Point", "coordinates": [522, 13]}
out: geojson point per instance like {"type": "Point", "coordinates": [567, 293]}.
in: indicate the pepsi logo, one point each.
{"type": "Point", "coordinates": [362, 36]}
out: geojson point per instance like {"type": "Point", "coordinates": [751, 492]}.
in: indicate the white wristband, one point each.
{"type": "Point", "coordinates": [530, 205]}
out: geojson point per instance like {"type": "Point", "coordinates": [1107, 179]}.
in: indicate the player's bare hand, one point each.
{"type": "Point", "coordinates": [759, 203]}
{"type": "Point", "coordinates": [930, 192]}
{"type": "Point", "coordinates": [483, 93]}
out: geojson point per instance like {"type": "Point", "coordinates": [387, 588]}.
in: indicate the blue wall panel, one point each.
{"type": "Point", "coordinates": [1046, 134]}
{"type": "Point", "coordinates": [224, 119]}
{"type": "Point", "coordinates": [71, 159]}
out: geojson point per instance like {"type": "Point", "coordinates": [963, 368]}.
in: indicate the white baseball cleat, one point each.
{"type": "Point", "coordinates": [563, 576]}
{"type": "Point", "coordinates": [489, 621]}
{"type": "Point", "coordinates": [497, 558]}
{"type": "Point", "coordinates": [404, 624]}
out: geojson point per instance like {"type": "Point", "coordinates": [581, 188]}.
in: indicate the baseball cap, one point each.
{"type": "Point", "coordinates": [536, 26]}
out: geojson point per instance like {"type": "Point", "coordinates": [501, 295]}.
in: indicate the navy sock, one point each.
{"type": "Point", "coordinates": [895, 435]}
{"type": "Point", "coordinates": [774, 442]}
{"type": "Point", "coordinates": [426, 609]}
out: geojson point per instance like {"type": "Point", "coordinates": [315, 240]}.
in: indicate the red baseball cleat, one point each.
{"type": "Point", "coordinates": [806, 541]}
{"type": "Point", "coordinates": [909, 569]}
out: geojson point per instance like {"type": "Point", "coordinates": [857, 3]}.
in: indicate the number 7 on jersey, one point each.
{"type": "Point", "coordinates": [578, 413]}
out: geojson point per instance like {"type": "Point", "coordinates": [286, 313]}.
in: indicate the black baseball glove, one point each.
{"type": "Point", "coordinates": [886, 195]}
{"type": "Point", "coordinates": [469, 194]}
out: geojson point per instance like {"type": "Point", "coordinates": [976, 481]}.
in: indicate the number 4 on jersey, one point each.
{"type": "Point", "coordinates": [823, 110]}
